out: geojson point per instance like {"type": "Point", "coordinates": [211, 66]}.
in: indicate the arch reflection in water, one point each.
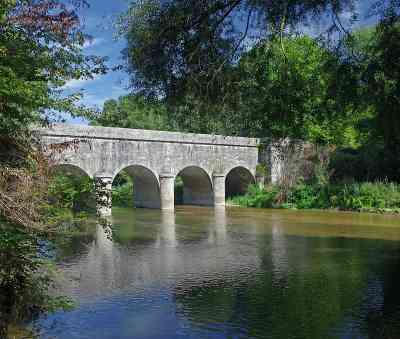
{"type": "Point", "coordinates": [146, 188]}
{"type": "Point", "coordinates": [264, 280]}
{"type": "Point", "coordinates": [197, 187]}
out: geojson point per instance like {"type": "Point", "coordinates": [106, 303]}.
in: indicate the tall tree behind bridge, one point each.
{"type": "Point", "coordinates": [184, 52]}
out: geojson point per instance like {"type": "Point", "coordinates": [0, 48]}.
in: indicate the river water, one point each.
{"type": "Point", "coordinates": [234, 273]}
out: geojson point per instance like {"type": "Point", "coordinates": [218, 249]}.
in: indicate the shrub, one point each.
{"type": "Point", "coordinates": [257, 197]}
{"type": "Point", "coordinates": [372, 197]}
{"type": "Point", "coordinates": [304, 196]}
{"type": "Point", "coordinates": [368, 196]}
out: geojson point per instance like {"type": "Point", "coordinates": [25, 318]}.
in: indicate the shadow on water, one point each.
{"type": "Point", "coordinates": [236, 273]}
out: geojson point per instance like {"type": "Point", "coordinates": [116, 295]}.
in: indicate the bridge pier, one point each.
{"type": "Point", "coordinates": [219, 189]}
{"type": "Point", "coordinates": [167, 194]}
{"type": "Point", "coordinates": [103, 189]}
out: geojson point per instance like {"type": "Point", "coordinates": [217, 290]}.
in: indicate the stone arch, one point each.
{"type": "Point", "coordinates": [237, 181]}
{"type": "Point", "coordinates": [71, 169]}
{"type": "Point", "coordinates": [146, 192]}
{"type": "Point", "coordinates": [197, 186]}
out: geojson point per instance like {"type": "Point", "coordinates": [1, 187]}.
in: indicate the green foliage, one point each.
{"type": "Point", "coordinates": [256, 197]}
{"type": "Point", "coordinates": [304, 196]}
{"type": "Point", "coordinates": [372, 197]}
{"type": "Point", "coordinates": [71, 192]}
{"type": "Point", "coordinates": [261, 170]}
{"type": "Point", "coordinates": [178, 48]}
{"type": "Point", "coordinates": [41, 47]}
{"type": "Point", "coordinates": [342, 91]}
{"type": "Point", "coordinates": [366, 196]}
{"type": "Point", "coordinates": [122, 190]}
{"type": "Point", "coordinates": [25, 278]}
{"type": "Point", "coordinates": [370, 162]}
{"type": "Point", "coordinates": [381, 80]}
{"type": "Point", "coordinates": [123, 195]}
{"type": "Point", "coordinates": [134, 111]}
{"type": "Point", "coordinates": [285, 91]}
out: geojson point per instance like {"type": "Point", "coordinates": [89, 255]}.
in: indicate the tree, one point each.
{"type": "Point", "coordinates": [134, 111]}
{"type": "Point", "coordinates": [177, 46]}
{"type": "Point", "coordinates": [290, 91]}
{"type": "Point", "coordinates": [372, 56]}
{"type": "Point", "coordinates": [381, 78]}
{"type": "Point", "coordinates": [138, 111]}
{"type": "Point", "coordinates": [40, 49]}
{"type": "Point", "coordinates": [184, 52]}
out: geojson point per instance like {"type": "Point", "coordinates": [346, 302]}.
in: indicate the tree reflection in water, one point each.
{"type": "Point", "coordinates": [200, 272]}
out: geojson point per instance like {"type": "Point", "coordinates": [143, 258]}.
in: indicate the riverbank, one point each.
{"type": "Point", "coordinates": [382, 198]}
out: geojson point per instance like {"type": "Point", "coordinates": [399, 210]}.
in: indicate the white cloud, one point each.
{"type": "Point", "coordinates": [79, 83]}
{"type": "Point", "coordinates": [93, 101]}
{"type": "Point", "coordinates": [93, 42]}
{"type": "Point", "coordinates": [97, 100]}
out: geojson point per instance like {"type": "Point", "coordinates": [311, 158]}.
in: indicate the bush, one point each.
{"type": "Point", "coordinates": [257, 197]}
{"type": "Point", "coordinates": [304, 196]}
{"type": "Point", "coordinates": [372, 197]}
{"type": "Point", "coordinates": [367, 196]}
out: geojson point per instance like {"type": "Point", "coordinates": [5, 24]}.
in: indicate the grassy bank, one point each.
{"type": "Point", "coordinates": [376, 197]}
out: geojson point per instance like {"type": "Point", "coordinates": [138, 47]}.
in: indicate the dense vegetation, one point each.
{"type": "Point", "coordinates": [376, 197]}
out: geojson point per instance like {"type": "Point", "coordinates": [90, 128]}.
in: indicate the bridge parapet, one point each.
{"type": "Point", "coordinates": [127, 134]}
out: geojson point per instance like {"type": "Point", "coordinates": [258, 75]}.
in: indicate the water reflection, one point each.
{"type": "Point", "coordinates": [205, 273]}
{"type": "Point", "coordinates": [217, 228]}
{"type": "Point", "coordinates": [279, 252]}
{"type": "Point", "coordinates": [166, 234]}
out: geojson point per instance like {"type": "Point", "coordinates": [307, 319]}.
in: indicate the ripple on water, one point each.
{"type": "Point", "coordinates": [240, 274]}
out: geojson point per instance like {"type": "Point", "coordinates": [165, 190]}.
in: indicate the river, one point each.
{"type": "Point", "coordinates": [234, 273]}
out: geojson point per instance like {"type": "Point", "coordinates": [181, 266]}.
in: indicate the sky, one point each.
{"type": "Point", "coordinates": [98, 21]}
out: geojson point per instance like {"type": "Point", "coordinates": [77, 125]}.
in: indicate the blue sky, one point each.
{"type": "Point", "coordinates": [98, 20]}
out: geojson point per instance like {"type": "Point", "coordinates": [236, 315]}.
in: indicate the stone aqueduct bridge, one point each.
{"type": "Point", "coordinates": [210, 166]}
